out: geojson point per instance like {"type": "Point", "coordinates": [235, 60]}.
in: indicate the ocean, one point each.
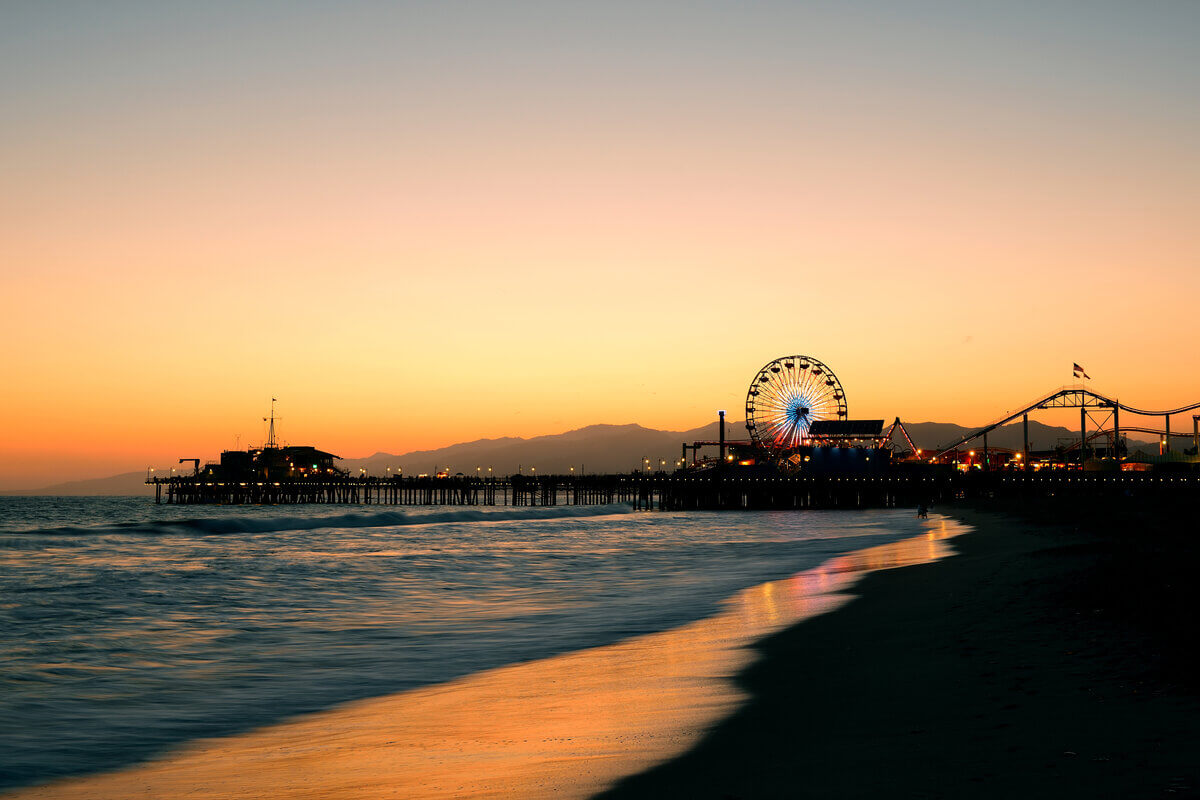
{"type": "Point", "coordinates": [127, 628]}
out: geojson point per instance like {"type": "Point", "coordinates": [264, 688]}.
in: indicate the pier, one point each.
{"type": "Point", "coordinates": [803, 452]}
{"type": "Point", "coordinates": [514, 490]}
{"type": "Point", "coordinates": [684, 490]}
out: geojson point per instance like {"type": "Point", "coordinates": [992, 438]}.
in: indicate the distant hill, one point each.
{"type": "Point", "coordinates": [621, 448]}
{"type": "Point", "coordinates": [125, 484]}
{"type": "Point", "coordinates": [596, 448]}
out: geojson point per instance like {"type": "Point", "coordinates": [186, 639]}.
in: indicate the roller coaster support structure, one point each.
{"type": "Point", "coordinates": [1086, 401]}
{"type": "Point", "coordinates": [1082, 435]}
{"type": "Point", "coordinates": [1025, 441]}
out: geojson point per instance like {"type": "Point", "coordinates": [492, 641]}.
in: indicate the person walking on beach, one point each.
{"type": "Point", "coordinates": [922, 510]}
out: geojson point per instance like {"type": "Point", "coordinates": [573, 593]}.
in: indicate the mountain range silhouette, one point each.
{"type": "Point", "coordinates": [595, 448]}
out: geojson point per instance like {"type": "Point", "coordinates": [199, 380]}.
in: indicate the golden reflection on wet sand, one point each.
{"type": "Point", "coordinates": [562, 727]}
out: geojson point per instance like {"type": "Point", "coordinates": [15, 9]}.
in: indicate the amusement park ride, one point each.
{"type": "Point", "coordinates": [786, 397]}
{"type": "Point", "coordinates": [1098, 409]}
{"type": "Point", "coordinates": [797, 420]}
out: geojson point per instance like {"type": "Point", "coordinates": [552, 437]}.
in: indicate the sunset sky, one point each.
{"type": "Point", "coordinates": [424, 223]}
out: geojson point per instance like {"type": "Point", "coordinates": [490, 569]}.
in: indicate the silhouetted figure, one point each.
{"type": "Point", "coordinates": [922, 511]}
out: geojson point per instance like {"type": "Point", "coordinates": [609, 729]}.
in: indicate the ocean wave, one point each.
{"type": "Point", "coordinates": [274, 524]}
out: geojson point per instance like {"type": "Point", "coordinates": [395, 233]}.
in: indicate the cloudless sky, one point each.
{"type": "Point", "coordinates": [423, 223]}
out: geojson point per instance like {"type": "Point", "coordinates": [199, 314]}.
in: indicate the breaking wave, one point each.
{"type": "Point", "coordinates": [379, 519]}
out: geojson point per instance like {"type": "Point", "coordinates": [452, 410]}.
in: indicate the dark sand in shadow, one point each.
{"type": "Point", "coordinates": [1046, 660]}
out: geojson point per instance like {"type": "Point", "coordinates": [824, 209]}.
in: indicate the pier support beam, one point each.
{"type": "Point", "coordinates": [1167, 444]}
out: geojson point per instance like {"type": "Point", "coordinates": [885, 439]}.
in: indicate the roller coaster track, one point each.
{"type": "Point", "coordinates": [1067, 397]}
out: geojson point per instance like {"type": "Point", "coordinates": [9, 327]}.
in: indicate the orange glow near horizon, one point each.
{"type": "Point", "coordinates": [418, 243]}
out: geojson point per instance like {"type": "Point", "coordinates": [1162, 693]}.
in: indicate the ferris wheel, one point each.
{"type": "Point", "coordinates": [787, 396]}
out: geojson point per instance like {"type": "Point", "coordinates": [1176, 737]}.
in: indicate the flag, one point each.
{"type": "Point", "coordinates": [1079, 372]}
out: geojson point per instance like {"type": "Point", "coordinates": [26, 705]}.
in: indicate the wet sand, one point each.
{"type": "Point", "coordinates": [563, 727]}
{"type": "Point", "coordinates": [1055, 656]}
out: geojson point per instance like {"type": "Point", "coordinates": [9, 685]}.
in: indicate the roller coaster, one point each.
{"type": "Point", "coordinates": [1094, 407]}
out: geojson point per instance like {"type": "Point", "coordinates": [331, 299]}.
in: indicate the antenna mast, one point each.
{"type": "Point", "coordinates": [271, 430]}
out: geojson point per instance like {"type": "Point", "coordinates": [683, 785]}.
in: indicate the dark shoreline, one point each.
{"type": "Point", "coordinates": [1054, 656]}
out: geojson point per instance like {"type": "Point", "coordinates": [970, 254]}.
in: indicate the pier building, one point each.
{"type": "Point", "coordinates": [272, 463]}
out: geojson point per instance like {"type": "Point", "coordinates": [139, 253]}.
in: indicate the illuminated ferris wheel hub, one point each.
{"type": "Point", "coordinates": [786, 397]}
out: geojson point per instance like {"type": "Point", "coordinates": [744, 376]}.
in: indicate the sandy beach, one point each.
{"type": "Point", "coordinates": [1047, 659]}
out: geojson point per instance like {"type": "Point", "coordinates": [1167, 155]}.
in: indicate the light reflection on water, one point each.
{"type": "Point", "coordinates": [116, 644]}
{"type": "Point", "coordinates": [559, 727]}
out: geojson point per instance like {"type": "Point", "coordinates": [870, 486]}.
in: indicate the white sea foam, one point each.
{"type": "Point", "coordinates": [253, 523]}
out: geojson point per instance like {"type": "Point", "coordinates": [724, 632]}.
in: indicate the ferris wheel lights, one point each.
{"type": "Point", "coordinates": [781, 406]}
